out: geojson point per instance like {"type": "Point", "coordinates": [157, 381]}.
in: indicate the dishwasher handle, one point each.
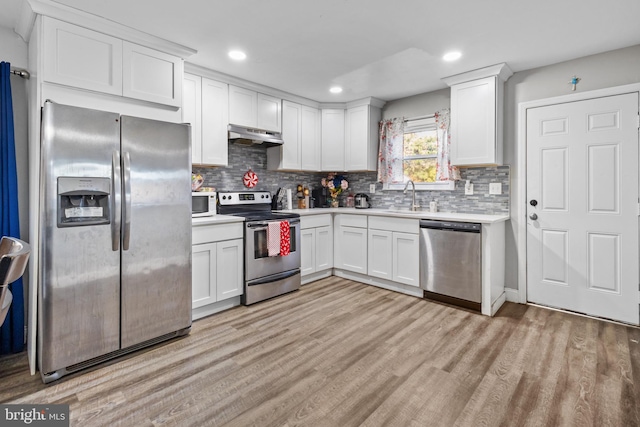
{"type": "Point", "coordinates": [467, 227]}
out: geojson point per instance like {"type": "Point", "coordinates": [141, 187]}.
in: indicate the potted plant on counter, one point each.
{"type": "Point", "coordinates": [336, 185]}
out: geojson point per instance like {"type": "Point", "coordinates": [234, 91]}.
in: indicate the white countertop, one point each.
{"type": "Point", "coordinates": [216, 219]}
{"type": "Point", "coordinates": [443, 216]}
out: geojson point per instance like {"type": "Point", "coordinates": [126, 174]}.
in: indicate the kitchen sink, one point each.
{"type": "Point", "coordinates": [404, 209]}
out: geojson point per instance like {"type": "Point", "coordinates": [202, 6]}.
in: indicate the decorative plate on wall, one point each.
{"type": "Point", "coordinates": [250, 179]}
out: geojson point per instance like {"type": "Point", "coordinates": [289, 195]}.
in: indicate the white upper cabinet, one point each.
{"type": "Point", "coordinates": [310, 139]}
{"type": "Point", "coordinates": [476, 115]}
{"type": "Point", "coordinates": [81, 58]}
{"type": "Point", "coordinates": [243, 107]}
{"type": "Point", "coordinates": [215, 118]}
{"type": "Point", "coordinates": [288, 156]}
{"type": "Point", "coordinates": [75, 56]}
{"type": "Point", "coordinates": [192, 113]}
{"type": "Point", "coordinates": [361, 138]}
{"type": "Point", "coordinates": [151, 75]}
{"type": "Point", "coordinates": [301, 136]}
{"type": "Point", "coordinates": [269, 113]}
{"type": "Point", "coordinates": [333, 140]}
{"type": "Point", "coordinates": [205, 107]}
{"type": "Point", "coordinates": [254, 110]}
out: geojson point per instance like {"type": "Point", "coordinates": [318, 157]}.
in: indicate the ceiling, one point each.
{"type": "Point", "coordinates": [384, 49]}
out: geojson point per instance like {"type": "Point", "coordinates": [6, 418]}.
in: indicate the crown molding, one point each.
{"type": "Point", "coordinates": [502, 71]}
{"type": "Point", "coordinates": [102, 25]}
{"type": "Point", "coordinates": [226, 78]}
{"type": "Point", "coordinates": [26, 21]}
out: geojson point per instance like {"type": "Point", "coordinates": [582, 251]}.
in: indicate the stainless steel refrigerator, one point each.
{"type": "Point", "coordinates": [115, 237]}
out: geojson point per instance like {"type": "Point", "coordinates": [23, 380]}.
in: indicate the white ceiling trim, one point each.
{"type": "Point", "coordinates": [102, 25]}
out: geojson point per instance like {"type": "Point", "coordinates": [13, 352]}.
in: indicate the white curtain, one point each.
{"type": "Point", "coordinates": [390, 150]}
{"type": "Point", "coordinates": [444, 170]}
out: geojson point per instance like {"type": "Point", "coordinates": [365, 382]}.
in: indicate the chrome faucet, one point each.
{"type": "Point", "coordinates": [414, 206]}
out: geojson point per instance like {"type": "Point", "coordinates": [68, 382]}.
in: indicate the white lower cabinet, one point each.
{"type": "Point", "coordinates": [380, 250]}
{"type": "Point", "coordinates": [393, 250]}
{"type": "Point", "coordinates": [350, 248]}
{"type": "Point", "coordinates": [316, 246]}
{"type": "Point", "coordinates": [406, 259]}
{"type": "Point", "coordinates": [217, 265]}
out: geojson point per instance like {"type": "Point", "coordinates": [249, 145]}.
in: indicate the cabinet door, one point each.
{"type": "Point", "coordinates": [231, 264]}
{"type": "Point", "coordinates": [332, 140]}
{"type": "Point", "coordinates": [324, 248]}
{"type": "Point", "coordinates": [77, 57]}
{"type": "Point", "coordinates": [291, 132]}
{"type": "Point", "coordinates": [473, 122]}
{"type": "Point", "coordinates": [352, 249]}
{"type": "Point", "coordinates": [380, 254]}
{"type": "Point", "coordinates": [356, 138]}
{"type": "Point", "coordinates": [243, 107]}
{"type": "Point", "coordinates": [203, 274]}
{"type": "Point", "coordinates": [150, 75]}
{"type": "Point", "coordinates": [406, 259]}
{"type": "Point", "coordinates": [310, 146]}
{"type": "Point", "coordinates": [307, 251]}
{"type": "Point", "coordinates": [215, 118]}
{"type": "Point", "coordinates": [192, 113]}
{"type": "Point", "coordinates": [269, 113]}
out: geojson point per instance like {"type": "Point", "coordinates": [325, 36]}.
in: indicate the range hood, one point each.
{"type": "Point", "coordinates": [243, 135]}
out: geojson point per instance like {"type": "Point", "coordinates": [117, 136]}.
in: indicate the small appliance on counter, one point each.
{"type": "Point", "coordinates": [362, 201]}
{"type": "Point", "coordinates": [320, 196]}
{"type": "Point", "coordinates": [203, 203]}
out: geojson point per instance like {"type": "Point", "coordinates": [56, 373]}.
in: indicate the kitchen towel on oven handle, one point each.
{"type": "Point", "coordinates": [273, 238]}
{"type": "Point", "coordinates": [285, 238]}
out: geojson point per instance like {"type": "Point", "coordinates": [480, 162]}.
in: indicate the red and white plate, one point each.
{"type": "Point", "coordinates": [250, 179]}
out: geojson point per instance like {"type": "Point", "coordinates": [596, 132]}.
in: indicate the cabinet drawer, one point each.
{"type": "Point", "coordinates": [215, 233]}
{"type": "Point", "coordinates": [349, 220]}
{"type": "Point", "coordinates": [401, 225]}
{"type": "Point", "coordinates": [314, 221]}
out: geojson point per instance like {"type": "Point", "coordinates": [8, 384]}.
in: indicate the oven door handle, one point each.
{"type": "Point", "coordinates": [263, 224]}
{"type": "Point", "coordinates": [273, 278]}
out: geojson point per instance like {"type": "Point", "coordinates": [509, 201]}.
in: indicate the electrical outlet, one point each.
{"type": "Point", "coordinates": [372, 188]}
{"type": "Point", "coordinates": [495, 188]}
{"type": "Point", "coordinates": [468, 189]}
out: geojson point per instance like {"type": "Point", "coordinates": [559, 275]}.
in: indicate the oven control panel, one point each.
{"type": "Point", "coordinates": [227, 198]}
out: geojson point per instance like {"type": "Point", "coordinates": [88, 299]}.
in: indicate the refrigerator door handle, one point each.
{"type": "Point", "coordinates": [126, 208]}
{"type": "Point", "coordinates": [117, 201]}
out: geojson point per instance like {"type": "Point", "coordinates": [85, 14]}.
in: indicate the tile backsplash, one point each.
{"type": "Point", "coordinates": [243, 157]}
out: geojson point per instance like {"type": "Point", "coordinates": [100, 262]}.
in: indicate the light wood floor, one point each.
{"type": "Point", "coordinates": [340, 353]}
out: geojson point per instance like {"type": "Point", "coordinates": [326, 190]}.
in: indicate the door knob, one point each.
{"type": "Point", "coordinates": [533, 202]}
{"type": "Point", "coordinates": [533, 216]}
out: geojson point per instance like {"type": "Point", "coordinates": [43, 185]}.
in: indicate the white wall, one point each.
{"type": "Point", "coordinates": [14, 50]}
{"type": "Point", "coordinates": [418, 105]}
{"type": "Point", "coordinates": [608, 69]}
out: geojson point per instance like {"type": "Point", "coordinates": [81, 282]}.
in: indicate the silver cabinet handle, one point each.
{"type": "Point", "coordinates": [533, 216]}
{"type": "Point", "coordinates": [116, 194]}
{"type": "Point", "coordinates": [126, 210]}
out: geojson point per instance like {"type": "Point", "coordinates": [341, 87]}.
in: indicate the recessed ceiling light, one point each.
{"type": "Point", "coordinates": [451, 56]}
{"type": "Point", "coordinates": [335, 89]}
{"type": "Point", "coordinates": [237, 55]}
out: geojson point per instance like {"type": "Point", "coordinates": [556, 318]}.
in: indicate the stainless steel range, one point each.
{"type": "Point", "coordinates": [264, 276]}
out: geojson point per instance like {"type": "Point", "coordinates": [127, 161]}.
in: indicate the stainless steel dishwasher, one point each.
{"type": "Point", "coordinates": [450, 262]}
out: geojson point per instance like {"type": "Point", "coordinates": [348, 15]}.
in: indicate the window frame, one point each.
{"type": "Point", "coordinates": [417, 125]}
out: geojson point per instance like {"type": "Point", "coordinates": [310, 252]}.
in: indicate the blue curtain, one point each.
{"type": "Point", "coordinates": [12, 331]}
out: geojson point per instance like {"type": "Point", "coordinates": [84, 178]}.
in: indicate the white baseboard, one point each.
{"type": "Point", "coordinates": [316, 276]}
{"type": "Point", "coordinates": [216, 307]}
{"type": "Point", "coordinates": [513, 295]}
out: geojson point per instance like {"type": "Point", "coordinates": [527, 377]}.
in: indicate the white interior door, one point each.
{"type": "Point", "coordinates": [582, 185]}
